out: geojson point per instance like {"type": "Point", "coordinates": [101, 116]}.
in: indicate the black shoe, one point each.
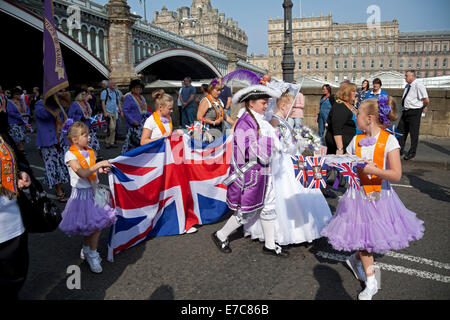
{"type": "Point", "coordinates": [409, 156]}
{"type": "Point", "coordinates": [224, 246]}
{"type": "Point", "coordinates": [278, 252]}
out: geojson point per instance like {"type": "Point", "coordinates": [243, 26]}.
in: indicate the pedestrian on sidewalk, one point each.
{"type": "Point", "coordinates": [414, 102]}
{"type": "Point", "coordinates": [83, 215]}
{"type": "Point", "coordinates": [187, 97]}
{"type": "Point", "coordinates": [373, 219]}
{"type": "Point", "coordinates": [110, 99]}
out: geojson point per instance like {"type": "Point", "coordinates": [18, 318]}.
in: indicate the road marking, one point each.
{"type": "Point", "coordinates": [401, 185]}
{"type": "Point", "coordinates": [399, 269]}
{"type": "Point", "coordinates": [418, 260]}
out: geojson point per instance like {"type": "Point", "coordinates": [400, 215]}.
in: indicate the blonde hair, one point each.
{"type": "Point", "coordinates": [372, 108]}
{"type": "Point", "coordinates": [76, 130]}
{"type": "Point", "coordinates": [345, 92]}
{"type": "Point", "coordinates": [162, 98]}
{"type": "Point", "coordinates": [285, 99]}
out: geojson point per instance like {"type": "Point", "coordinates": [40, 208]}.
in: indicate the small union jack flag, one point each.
{"type": "Point", "coordinates": [98, 121]}
{"type": "Point", "coordinates": [347, 170]}
{"type": "Point", "coordinates": [300, 169]}
{"type": "Point", "coordinates": [394, 131]}
{"type": "Point", "coordinates": [316, 173]}
{"type": "Point", "coordinates": [197, 126]}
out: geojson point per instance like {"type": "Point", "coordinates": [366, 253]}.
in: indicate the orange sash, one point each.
{"type": "Point", "coordinates": [373, 184]}
{"type": "Point", "coordinates": [8, 168]}
{"type": "Point", "coordinates": [141, 103]}
{"type": "Point", "coordinates": [219, 113]}
{"type": "Point", "coordinates": [83, 161]}
{"type": "Point", "coordinates": [160, 124]}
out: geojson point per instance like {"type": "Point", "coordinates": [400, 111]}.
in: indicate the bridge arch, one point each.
{"type": "Point", "coordinates": [36, 22]}
{"type": "Point", "coordinates": [177, 63]}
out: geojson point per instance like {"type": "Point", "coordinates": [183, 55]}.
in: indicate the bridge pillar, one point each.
{"type": "Point", "coordinates": [120, 42]}
{"type": "Point", "coordinates": [232, 62]}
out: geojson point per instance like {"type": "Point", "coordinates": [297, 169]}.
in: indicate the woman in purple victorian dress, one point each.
{"type": "Point", "coordinates": [250, 186]}
{"type": "Point", "coordinates": [136, 112]}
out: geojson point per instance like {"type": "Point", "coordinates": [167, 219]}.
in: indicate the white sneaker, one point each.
{"type": "Point", "coordinates": [356, 266]}
{"type": "Point", "coordinates": [368, 292]}
{"type": "Point", "coordinates": [192, 230]}
{"type": "Point", "coordinates": [93, 260]}
{"type": "Point", "coordinates": [83, 255]}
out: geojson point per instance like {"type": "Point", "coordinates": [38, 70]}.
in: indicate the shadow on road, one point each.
{"type": "Point", "coordinates": [435, 191]}
{"type": "Point", "coordinates": [164, 292]}
{"type": "Point", "coordinates": [437, 147]}
{"type": "Point", "coordinates": [330, 284]}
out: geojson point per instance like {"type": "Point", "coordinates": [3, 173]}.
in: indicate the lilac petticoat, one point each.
{"type": "Point", "coordinates": [83, 216]}
{"type": "Point", "coordinates": [375, 226]}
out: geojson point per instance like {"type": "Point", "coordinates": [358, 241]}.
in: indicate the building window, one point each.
{"type": "Point", "coordinates": [372, 49]}
{"type": "Point", "coordinates": [436, 48]}
{"type": "Point", "coordinates": [419, 48]}
{"type": "Point", "coordinates": [325, 50]}
{"type": "Point", "coordinates": [390, 63]}
{"type": "Point", "coordinates": [364, 34]}
{"type": "Point", "coordinates": [419, 63]}
{"type": "Point", "coordinates": [308, 65]}
{"type": "Point", "coordinates": [354, 64]}
{"type": "Point", "coordinates": [372, 63]}
{"type": "Point", "coordinates": [299, 36]}
{"type": "Point", "coordinates": [337, 65]}
{"type": "Point", "coordinates": [390, 49]}
{"type": "Point", "coordinates": [317, 64]}
{"type": "Point", "coordinates": [363, 64]}
{"type": "Point", "coordinates": [382, 33]}
{"type": "Point", "coordinates": [428, 48]}
{"type": "Point", "coordinates": [402, 49]}
{"type": "Point", "coordinates": [345, 64]}
{"type": "Point", "coordinates": [326, 78]}
{"type": "Point", "coordinates": [274, 52]}
{"type": "Point", "coordinates": [401, 63]}
{"type": "Point", "coordinates": [308, 36]}
{"type": "Point", "coordinates": [317, 35]}
{"type": "Point", "coordinates": [274, 66]}
{"type": "Point", "coordinates": [436, 63]}
{"type": "Point", "coordinates": [372, 34]}
{"type": "Point", "coordinates": [325, 64]}
{"type": "Point", "coordinates": [391, 33]}
{"type": "Point", "coordinates": [427, 63]}
{"type": "Point", "coordinates": [381, 64]}
{"type": "Point", "coordinates": [317, 51]}
{"type": "Point", "coordinates": [336, 78]}
{"type": "Point", "coordinates": [381, 49]}
{"type": "Point", "coordinates": [410, 63]}
{"type": "Point", "coordinates": [308, 52]}
{"type": "Point", "coordinates": [300, 66]}
{"type": "Point", "coordinates": [363, 50]}
{"type": "Point", "coordinates": [354, 50]}
{"type": "Point", "coordinates": [336, 36]}
{"type": "Point", "coordinates": [444, 63]}
{"type": "Point", "coordinates": [325, 36]}
{"type": "Point", "coordinates": [345, 50]}
{"type": "Point", "coordinates": [299, 52]}
{"type": "Point", "coordinates": [274, 38]}
{"type": "Point", "coordinates": [354, 35]}
{"type": "Point", "coordinates": [345, 35]}
{"type": "Point", "coordinates": [445, 48]}
{"type": "Point", "coordinates": [336, 50]}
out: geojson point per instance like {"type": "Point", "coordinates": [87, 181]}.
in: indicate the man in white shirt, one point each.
{"type": "Point", "coordinates": [415, 101]}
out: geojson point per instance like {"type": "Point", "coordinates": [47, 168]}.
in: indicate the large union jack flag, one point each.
{"type": "Point", "coordinates": [347, 170]}
{"type": "Point", "coordinates": [316, 172]}
{"type": "Point", "coordinates": [166, 187]}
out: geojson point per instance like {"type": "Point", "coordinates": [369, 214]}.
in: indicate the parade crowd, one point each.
{"type": "Point", "coordinates": [262, 190]}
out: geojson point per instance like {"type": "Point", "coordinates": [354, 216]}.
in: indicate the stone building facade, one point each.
{"type": "Point", "coordinates": [335, 52]}
{"type": "Point", "coordinates": [204, 24]}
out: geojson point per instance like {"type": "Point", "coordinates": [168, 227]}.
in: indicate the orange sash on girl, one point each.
{"type": "Point", "coordinates": [219, 113]}
{"type": "Point", "coordinates": [373, 184]}
{"type": "Point", "coordinates": [83, 161]}
{"type": "Point", "coordinates": [160, 124]}
{"type": "Point", "coordinates": [8, 168]}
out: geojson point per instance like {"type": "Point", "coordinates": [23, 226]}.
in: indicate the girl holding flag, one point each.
{"type": "Point", "coordinates": [136, 113]}
{"type": "Point", "coordinates": [373, 219]}
{"type": "Point", "coordinates": [82, 214]}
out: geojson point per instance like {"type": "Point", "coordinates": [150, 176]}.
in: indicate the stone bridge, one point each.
{"type": "Point", "coordinates": [118, 44]}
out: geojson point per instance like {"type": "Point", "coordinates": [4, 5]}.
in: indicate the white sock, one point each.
{"type": "Point", "coordinates": [86, 249]}
{"type": "Point", "coordinates": [371, 281]}
{"type": "Point", "coordinates": [231, 225]}
{"type": "Point", "coordinates": [268, 227]}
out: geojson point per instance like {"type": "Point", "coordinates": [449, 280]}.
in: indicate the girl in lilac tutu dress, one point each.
{"type": "Point", "coordinates": [82, 215]}
{"type": "Point", "coordinates": [373, 219]}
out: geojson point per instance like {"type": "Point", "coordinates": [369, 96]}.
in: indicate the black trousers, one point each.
{"type": "Point", "coordinates": [410, 124]}
{"type": "Point", "coordinates": [14, 262]}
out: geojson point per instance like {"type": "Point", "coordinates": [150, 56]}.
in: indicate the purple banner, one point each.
{"type": "Point", "coordinates": [55, 77]}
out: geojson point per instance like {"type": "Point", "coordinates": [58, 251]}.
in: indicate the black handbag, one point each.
{"type": "Point", "coordinates": [135, 140]}
{"type": "Point", "coordinates": [39, 213]}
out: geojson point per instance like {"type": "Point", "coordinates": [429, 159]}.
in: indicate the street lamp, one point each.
{"type": "Point", "coordinates": [145, 10]}
{"type": "Point", "coordinates": [288, 62]}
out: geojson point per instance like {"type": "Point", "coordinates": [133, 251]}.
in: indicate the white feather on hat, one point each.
{"type": "Point", "coordinates": [255, 91]}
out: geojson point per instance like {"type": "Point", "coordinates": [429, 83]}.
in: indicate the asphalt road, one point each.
{"type": "Point", "coordinates": [190, 266]}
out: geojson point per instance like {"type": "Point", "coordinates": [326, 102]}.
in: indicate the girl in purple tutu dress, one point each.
{"type": "Point", "coordinates": [82, 215]}
{"type": "Point", "coordinates": [373, 219]}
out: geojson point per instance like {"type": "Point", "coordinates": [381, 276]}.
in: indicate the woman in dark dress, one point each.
{"type": "Point", "coordinates": [341, 120]}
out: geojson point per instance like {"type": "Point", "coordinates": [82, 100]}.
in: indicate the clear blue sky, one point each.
{"type": "Point", "coordinates": [252, 15]}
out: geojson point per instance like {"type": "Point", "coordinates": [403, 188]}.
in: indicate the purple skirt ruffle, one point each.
{"type": "Point", "coordinates": [375, 226]}
{"type": "Point", "coordinates": [83, 216]}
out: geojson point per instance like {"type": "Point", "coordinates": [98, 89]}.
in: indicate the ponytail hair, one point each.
{"type": "Point", "coordinates": [162, 98]}
{"type": "Point", "coordinates": [247, 108]}
{"type": "Point", "coordinates": [372, 107]}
